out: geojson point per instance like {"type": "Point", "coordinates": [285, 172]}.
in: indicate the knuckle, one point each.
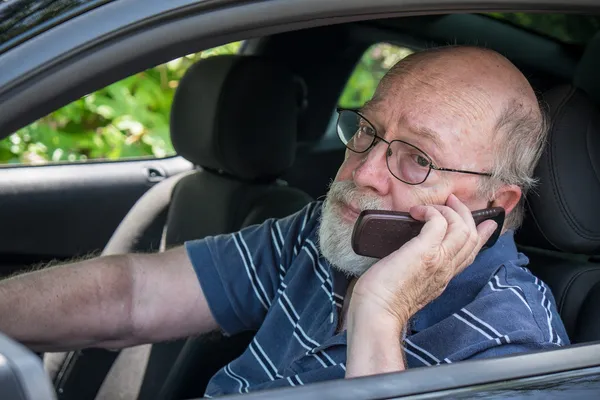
{"type": "Point", "coordinates": [439, 286]}
{"type": "Point", "coordinates": [464, 234]}
{"type": "Point", "coordinates": [443, 223]}
{"type": "Point", "coordinates": [471, 258]}
{"type": "Point", "coordinates": [430, 259]}
{"type": "Point", "coordinates": [473, 239]}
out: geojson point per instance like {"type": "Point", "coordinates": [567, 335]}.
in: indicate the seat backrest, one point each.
{"type": "Point", "coordinates": [561, 233]}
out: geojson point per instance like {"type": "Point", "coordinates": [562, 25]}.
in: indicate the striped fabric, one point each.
{"type": "Point", "coordinates": [271, 279]}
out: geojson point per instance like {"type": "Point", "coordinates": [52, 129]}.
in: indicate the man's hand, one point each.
{"type": "Point", "coordinates": [395, 288]}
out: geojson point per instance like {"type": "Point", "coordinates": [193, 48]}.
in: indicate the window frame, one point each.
{"type": "Point", "coordinates": [469, 378]}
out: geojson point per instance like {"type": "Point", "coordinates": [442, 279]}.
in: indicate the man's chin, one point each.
{"type": "Point", "coordinates": [334, 241]}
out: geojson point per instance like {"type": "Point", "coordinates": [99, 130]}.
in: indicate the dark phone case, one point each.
{"type": "Point", "coordinates": [379, 233]}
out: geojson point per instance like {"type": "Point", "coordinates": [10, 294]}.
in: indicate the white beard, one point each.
{"type": "Point", "coordinates": [335, 233]}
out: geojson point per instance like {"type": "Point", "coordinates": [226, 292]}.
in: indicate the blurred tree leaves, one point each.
{"type": "Point", "coordinates": [373, 65]}
{"type": "Point", "coordinates": [129, 118]}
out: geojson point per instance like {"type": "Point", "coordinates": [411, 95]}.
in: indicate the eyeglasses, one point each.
{"type": "Point", "coordinates": [405, 162]}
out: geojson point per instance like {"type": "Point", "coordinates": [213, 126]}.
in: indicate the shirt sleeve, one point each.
{"type": "Point", "coordinates": [241, 272]}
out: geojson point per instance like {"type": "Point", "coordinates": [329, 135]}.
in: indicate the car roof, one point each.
{"type": "Point", "coordinates": [23, 19]}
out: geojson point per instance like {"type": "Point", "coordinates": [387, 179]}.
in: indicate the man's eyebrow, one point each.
{"type": "Point", "coordinates": [422, 131]}
{"type": "Point", "coordinates": [368, 106]}
{"type": "Point", "coordinates": [429, 134]}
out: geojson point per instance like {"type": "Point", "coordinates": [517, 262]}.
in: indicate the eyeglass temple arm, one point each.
{"type": "Point", "coordinates": [460, 171]}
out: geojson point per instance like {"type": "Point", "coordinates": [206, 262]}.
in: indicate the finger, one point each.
{"type": "Point", "coordinates": [485, 230]}
{"type": "Point", "coordinates": [455, 223]}
{"type": "Point", "coordinates": [461, 209]}
{"type": "Point", "coordinates": [460, 240]}
{"type": "Point", "coordinates": [435, 227]}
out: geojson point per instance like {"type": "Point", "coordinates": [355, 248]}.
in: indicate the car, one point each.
{"type": "Point", "coordinates": [72, 190]}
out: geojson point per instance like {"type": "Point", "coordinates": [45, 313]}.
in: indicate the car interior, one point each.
{"type": "Point", "coordinates": [255, 139]}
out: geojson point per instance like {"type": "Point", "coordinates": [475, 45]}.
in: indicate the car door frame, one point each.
{"type": "Point", "coordinates": [487, 378]}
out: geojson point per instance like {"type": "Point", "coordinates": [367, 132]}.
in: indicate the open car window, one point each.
{"type": "Point", "coordinates": [360, 87]}
{"type": "Point", "coordinates": [125, 120]}
{"type": "Point", "coordinates": [372, 66]}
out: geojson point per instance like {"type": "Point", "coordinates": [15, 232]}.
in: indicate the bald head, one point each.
{"type": "Point", "coordinates": [480, 81]}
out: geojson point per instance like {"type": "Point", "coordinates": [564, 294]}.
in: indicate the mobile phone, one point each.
{"type": "Point", "coordinates": [379, 233]}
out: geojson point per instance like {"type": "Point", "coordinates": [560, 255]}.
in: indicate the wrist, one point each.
{"type": "Point", "coordinates": [369, 317]}
{"type": "Point", "coordinates": [371, 312]}
{"type": "Point", "coordinates": [374, 342]}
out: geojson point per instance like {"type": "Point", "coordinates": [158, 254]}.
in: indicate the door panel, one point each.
{"type": "Point", "coordinates": [576, 384]}
{"type": "Point", "coordinates": [71, 210]}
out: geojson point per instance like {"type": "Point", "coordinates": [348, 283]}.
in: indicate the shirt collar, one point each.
{"type": "Point", "coordinates": [463, 289]}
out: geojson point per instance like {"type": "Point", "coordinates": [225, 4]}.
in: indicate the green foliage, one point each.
{"type": "Point", "coordinates": [373, 65]}
{"type": "Point", "coordinates": [129, 118]}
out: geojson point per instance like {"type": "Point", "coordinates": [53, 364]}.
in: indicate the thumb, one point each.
{"type": "Point", "coordinates": [485, 230]}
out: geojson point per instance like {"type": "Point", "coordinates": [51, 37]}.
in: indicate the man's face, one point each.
{"type": "Point", "coordinates": [452, 126]}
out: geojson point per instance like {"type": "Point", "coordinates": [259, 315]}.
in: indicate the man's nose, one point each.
{"type": "Point", "coordinates": [372, 171]}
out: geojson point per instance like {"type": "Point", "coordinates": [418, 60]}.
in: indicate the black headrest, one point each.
{"type": "Point", "coordinates": [236, 114]}
{"type": "Point", "coordinates": [586, 75]}
{"type": "Point", "coordinates": [564, 211]}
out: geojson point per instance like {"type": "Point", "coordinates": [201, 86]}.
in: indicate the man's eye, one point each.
{"type": "Point", "coordinates": [420, 160]}
{"type": "Point", "coordinates": [366, 131]}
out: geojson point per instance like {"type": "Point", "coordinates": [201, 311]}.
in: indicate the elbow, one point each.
{"type": "Point", "coordinates": [120, 309]}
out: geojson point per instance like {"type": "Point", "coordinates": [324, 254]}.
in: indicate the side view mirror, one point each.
{"type": "Point", "coordinates": [22, 375]}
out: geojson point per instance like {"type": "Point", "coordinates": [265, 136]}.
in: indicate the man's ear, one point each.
{"type": "Point", "coordinates": [507, 197]}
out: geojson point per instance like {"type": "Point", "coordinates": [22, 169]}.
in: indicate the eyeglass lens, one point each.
{"type": "Point", "coordinates": [405, 161]}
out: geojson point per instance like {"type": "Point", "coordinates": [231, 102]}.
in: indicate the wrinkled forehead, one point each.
{"type": "Point", "coordinates": [474, 101]}
{"type": "Point", "coordinates": [441, 120]}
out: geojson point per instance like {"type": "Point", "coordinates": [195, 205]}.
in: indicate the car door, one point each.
{"type": "Point", "coordinates": [56, 212]}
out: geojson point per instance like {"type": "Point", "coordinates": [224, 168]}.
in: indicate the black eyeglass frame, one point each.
{"type": "Point", "coordinates": [376, 137]}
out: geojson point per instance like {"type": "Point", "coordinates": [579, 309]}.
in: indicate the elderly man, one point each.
{"type": "Point", "coordinates": [448, 131]}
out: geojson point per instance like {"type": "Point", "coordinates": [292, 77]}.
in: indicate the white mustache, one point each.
{"type": "Point", "coordinates": [347, 192]}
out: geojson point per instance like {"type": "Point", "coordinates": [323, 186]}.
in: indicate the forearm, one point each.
{"type": "Point", "coordinates": [374, 344]}
{"type": "Point", "coordinates": [69, 306]}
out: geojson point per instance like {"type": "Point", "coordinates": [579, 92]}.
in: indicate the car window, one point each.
{"type": "Point", "coordinates": [373, 65]}
{"type": "Point", "coordinates": [568, 28]}
{"type": "Point", "coordinates": [127, 119]}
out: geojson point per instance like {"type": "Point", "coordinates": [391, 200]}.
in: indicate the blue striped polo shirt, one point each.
{"type": "Point", "coordinates": [271, 278]}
